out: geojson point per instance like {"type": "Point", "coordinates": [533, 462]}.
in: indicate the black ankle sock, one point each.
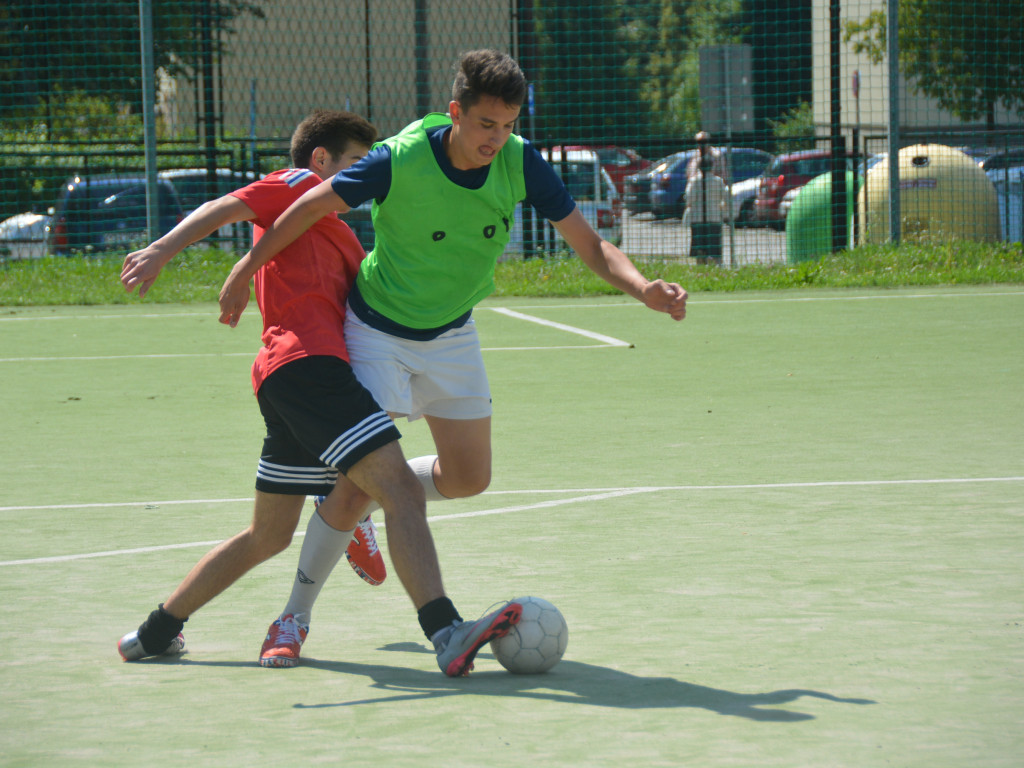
{"type": "Point", "coordinates": [436, 615]}
{"type": "Point", "coordinates": [157, 631]}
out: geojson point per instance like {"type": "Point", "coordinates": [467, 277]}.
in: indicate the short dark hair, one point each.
{"type": "Point", "coordinates": [487, 72]}
{"type": "Point", "coordinates": [331, 129]}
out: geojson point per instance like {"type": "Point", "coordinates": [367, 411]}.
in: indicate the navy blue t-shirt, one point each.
{"type": "Point", "coordinates": [371, 178]}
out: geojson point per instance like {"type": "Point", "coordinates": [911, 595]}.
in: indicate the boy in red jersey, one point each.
{"type": "Point", "coordinates": [319, 419]}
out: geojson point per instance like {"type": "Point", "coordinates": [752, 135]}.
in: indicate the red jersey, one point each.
{"type": "Point", "coordinates": [302, 291]}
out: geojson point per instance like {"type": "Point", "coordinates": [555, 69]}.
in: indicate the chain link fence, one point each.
{"type": "Point", "coordinates": [797, 96]}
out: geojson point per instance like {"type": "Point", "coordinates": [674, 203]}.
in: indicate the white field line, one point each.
{"type": "Point", "coordinates": [123, 357]}
{"type": "Point", "coordinates": [587, 495]}
{"type": "Point", "coordinates": [583, 304]}
{"type": "Point", "coordinates": [609, 340]}
{"type": "Point", "coordinates": [146, 316]}
{"type": "Point", "coordinates": [606, 341]}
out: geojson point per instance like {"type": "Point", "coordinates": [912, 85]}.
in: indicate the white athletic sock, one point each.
{"type": "Point", "coordinates": [423, 467]}
{"type": "Point", "coordinates": [322, 548]}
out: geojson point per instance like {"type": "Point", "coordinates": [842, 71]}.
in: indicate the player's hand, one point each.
{"type": "Point", "coordinates": [234, 296]}
{"type": "Point", "coordinates": [666, 297]}
{"type": "Point", "coordinates": [141, 269]}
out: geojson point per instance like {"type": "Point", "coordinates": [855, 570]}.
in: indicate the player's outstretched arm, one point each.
{"type": "Point", "coordinates": [615, 268]}
{"type": "Point", "coordinates": [316, 203]}
{"type": "Point", "coordinates": [142, 268]}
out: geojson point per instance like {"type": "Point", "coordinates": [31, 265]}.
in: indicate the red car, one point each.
{"type": "Point", "coordinates": [619, 162]}
{"type": "Point", "coordinates": [787, 172]}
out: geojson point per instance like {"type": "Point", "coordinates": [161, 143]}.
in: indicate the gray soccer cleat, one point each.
{"type": "Point", "coordinates": [455, 658]}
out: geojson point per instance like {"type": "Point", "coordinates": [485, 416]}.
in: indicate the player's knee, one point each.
{"type": "Point", "coordinates": [468, 483]}
{"type": "Point", "coordinates": [268, 542]}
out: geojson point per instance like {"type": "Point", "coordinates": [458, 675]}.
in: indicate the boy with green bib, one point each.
{"type": "Point", "coordinates": [444, 190]}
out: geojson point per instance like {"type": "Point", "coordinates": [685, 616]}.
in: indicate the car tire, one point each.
{"type": "Point", "coordinates": [746, 215]}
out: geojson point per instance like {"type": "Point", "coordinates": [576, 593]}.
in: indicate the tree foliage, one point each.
{"type": "Point", "coordinates": [794, 130]}
{"type": "Point", "coordinates": [621, 64]}
{"type": "Point", "coordinates": [53, 51]}
{"type": "Point", "coordinates": [578, 73]}
{"type": "Point", "coordinates": [967, 55]}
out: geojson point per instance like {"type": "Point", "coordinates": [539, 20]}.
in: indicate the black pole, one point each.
{"type": "Point", "coordinates": [840, 235]}
{"type": "Point", "coordinates": [527, 57]}
{"type": "Point", "coordinates": [422, 54]}
{"type": "Point", "coordinates": [369, 61]}
{"type": "Point", "coordinates": [859, 163]}
{"type": "Point", "coordinates": [209, 109]}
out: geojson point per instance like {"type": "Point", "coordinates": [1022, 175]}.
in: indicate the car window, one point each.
{"type": "Point", "coordinates": [811, 166]}
{"type": "Point", "coordinates": [128, 203]}
{"type": "Point", "coordinates": [192, 190]}
{"type": "Point", "coordinates": [681, 162]}
{"type": "Point", "coordinates": [746, 165]}
{"type": "Point", "coordinates": [579, 179]}
{"type": "Point", "coordinates": [1004, 160]}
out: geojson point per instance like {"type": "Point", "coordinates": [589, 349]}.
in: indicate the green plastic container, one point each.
{"type": "Point", "coordinates": [809, 221]}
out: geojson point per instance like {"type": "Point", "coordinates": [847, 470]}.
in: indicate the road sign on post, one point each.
{"type": "Point", "coordinates": [726, 89]}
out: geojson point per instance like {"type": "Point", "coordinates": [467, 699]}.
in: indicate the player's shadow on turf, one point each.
{"type": "Point", "coordinates": [571, 682]}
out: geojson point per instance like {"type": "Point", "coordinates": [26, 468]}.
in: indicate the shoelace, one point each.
{"type": "Point", "coordinates": [369, 535]}
{"type": "Point", "coordinates": [288, 632]}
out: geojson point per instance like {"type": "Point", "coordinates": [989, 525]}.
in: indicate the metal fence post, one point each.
{"type": "Point", "coordinates": [893, 52]}
{"type": "Point", "coordinates": [149, 117]}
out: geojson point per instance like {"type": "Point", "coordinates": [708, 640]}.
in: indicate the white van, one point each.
{"type": "Point", "coordinates": [595, 195]}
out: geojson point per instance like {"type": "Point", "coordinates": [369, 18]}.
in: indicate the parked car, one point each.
{"type": "Point", "coordinates": [977, 154]}
{"type": "Point", "coordinates": [107, 212]}
{"type": "Point", "coordinates": [1011, 158]}
{"type": "Point", "coordinates": [636, 192]}
{"type": "Point", "coordinates": [191, 186]}
{"type": "Point", "coordinates": [1009, 184]}
{"type": "Point", "coordinates": [592, 188]}
{"type": "Point", "coordinates": [668, 189]}
{"type": "Point", "coordinates": [618, 161]}
{"type": "Point", "coordinates": [786, 172]}
{"type": "Point", "coordinates": [787, 200]}
{"type": "Point", "coordinates": [665, 198]}
{"type": "Point", "coordinates": [23, 236]}
{"type": "Point", "coordinates": [743, 194]}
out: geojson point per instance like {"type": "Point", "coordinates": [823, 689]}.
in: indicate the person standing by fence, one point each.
{"type": "Point", "coordinates": [706, 199]}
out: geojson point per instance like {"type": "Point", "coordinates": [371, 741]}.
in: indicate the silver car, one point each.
{"type": "Point", "coordinates": [24, 236]}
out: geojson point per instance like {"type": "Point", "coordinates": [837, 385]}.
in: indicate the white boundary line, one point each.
{"type": "Point", "coordinates": [701, 299]}
{"type": "Point", "coordinates": [169, 356]}
{"type": "Point", "coordinates": [607, 340]}
{"type": "Point", "coordinates": [588, 495]}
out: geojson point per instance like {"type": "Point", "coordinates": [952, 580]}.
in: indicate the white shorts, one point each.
{"type": "Point", "coordinates": [443, 377]}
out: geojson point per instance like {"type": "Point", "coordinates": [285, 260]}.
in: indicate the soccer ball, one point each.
{"type": "Point", "coordinates": [537, 642]}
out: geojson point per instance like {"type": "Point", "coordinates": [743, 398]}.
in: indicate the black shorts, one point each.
{"type": "Point", "coordinates": [320, 421]}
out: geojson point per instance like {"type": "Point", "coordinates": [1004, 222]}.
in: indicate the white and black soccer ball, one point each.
{"type": "Point", "coordinates": [537, 642]}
